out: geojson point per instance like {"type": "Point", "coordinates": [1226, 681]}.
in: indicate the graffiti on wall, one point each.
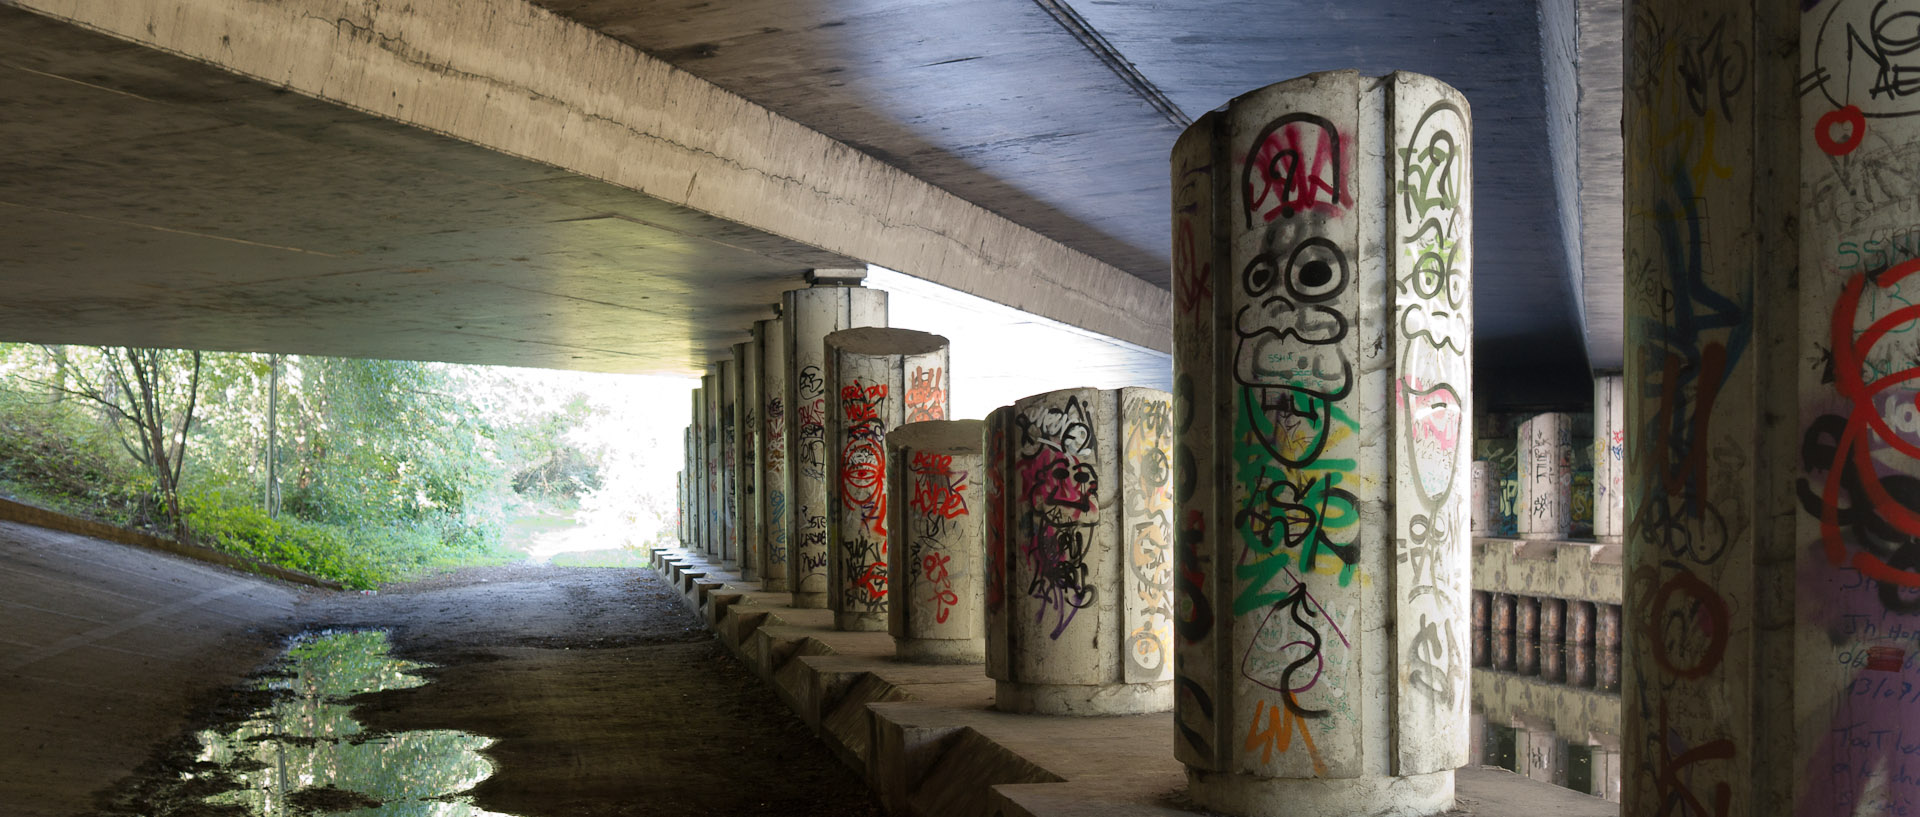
{"type": "Point", "coordinates": [1293, 370]}
{"type": "Point", "coordinates": [776, 498]}
{"type": "Point", "coordinates": [1689, 94]}
{"type": "Point", "coordinates": [808, 458]}
{"type": "Point", "coordinates": [1432, 306]}
{"type": "Point", "coordinates": [863, 496]}
{"type": "Point", "coordinates": [1147, 437]}
{"type": "Point", "coordinates": [1195, 722]}
{"type": "Point", "coordinates": [939, 494]}
{"type": "Point", "coordinates": [1058, 506]}
{"type": "Point", "coordinates": [926, 397]}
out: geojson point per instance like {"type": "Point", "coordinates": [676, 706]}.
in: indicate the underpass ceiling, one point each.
{"type": "Point", "coordinates": [150, 200]}
{"type": "Point", "coordinates": [999, 102]}
{"type": "Point", "coordinates": [321, 230]}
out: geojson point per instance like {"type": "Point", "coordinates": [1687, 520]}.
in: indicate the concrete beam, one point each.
{"type": "Point", "coordinates": [514, 78]}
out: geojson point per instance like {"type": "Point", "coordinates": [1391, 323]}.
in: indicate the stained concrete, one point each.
{"type": "Point", "coordinates": [934, 746]}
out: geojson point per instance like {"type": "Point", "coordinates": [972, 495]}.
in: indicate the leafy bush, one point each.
{"type": "Point", "coordinates": [359, 556]}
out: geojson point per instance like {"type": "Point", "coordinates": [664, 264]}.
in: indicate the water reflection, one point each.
{"type": "Point", "coordinates": [307, 754]}
{"type": "Point", "coordinates": [1548, 731]}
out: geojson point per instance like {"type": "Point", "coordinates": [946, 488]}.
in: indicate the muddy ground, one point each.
{"type": "Point", "coordinates": [605, 694]}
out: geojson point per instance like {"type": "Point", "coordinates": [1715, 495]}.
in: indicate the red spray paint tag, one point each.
{"type": "Point", "coordinates": [1885, 659]}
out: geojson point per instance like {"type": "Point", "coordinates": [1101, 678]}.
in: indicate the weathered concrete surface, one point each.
{"type": "Point", "coordinates": [771, 336]}
{"type": "Point", "coordinates": [1582, 571]}
{"type": "Point", "coordinates": [1081, 561]}
{"type": "Point", "coordinates": [811, 315]}
{"type": "Point", "coordinates": [103, 650]}
{"type": "Point", "coordinates": [1546, 477]}
{"type": "Point", "coordinates": [1579, 715]}
{"type": "Point", "coordinates": [940, 749]}
{"type": "Point", "coordinates": [936, 545]}
{"type": "Point", "coordinates": [1323, 360]}
{"type": "Point", "coordinates": [877, 379]}
{"type": "Point", "coordinates": [517, 79]}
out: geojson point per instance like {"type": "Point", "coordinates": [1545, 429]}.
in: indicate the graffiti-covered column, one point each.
{"type": "Point", "coordinates": [1609, 459]}
{"type": "Point", "coordinates": [1322, 332]}
{"type": "Point", "coordinates": [935, 569]}
{"type": "Point", "coordinates": [1080, 613]}
{"type": "Point", "coordinates": [727, 542]}
{"type": "Point", "coordinates": [1546, 477]}
{"type": "Point", "coordinates": [710, 463]}
{"type": "Point", "coordinates": [1484, 500]}
{"type": "Point", "coordinates": [1773, 464]}
{"type": "Point", "coordinates": [877, 379]}
{"type": "Point", "coordinates": [771, 338]}
{"type": "Point", "coordinates": [836, 301]}
{"type": "Point", "coordinates": [747, 464]}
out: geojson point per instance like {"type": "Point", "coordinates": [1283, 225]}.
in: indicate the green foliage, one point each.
{"type": "Point", "coordinates": [360, 556]}
{"type": "Point", "coordinates": [57, 458]}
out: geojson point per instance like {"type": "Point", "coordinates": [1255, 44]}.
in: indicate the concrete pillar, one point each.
{"type": "Point", "coordinates": [1774, 542]}
{"type": "Point", "coordinates": [1526, 635]}
{"type": "Point", "coordinates": [1546, 477]}
{"type": "Point", "coordinates": [747, 464]}
{"type": "Point", "coordinates": [833, 303]}
{"type": "Point", "coordinates": [1087, 616]}
{"type": "Point", "coordinates": [727, 544]}
{"type": "Point", "coordinates": [1484, 502]}
{"type": "Point", "coordinates": [1482, 628]}
{"type": "Point", "coordinates": [936, 560]}
{"type": "Point", "coordinates": [770, 336]}
{"type": "Point", "coordinates": [1322, 333]}
{"type": "Point", "coordinates": [1580, 645]}
{"type": "Point", "coordinates": [1609, 459]}
{"type": "Point", "coordinates": [1503, 631]}
{"type": "Point", "coordinates": [710, 457]}
{"type": "Point", "coordinates": [1553, 639]}
{"type": "Point", "coordinates": [872, 376]}
{"type": "Point", "coordinates": [1545, 756]}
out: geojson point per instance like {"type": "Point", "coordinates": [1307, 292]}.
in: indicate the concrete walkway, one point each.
{"type": "Point", "coordinates": [104, 648]}
{"type": "Point", "coordinates": [931, 745]}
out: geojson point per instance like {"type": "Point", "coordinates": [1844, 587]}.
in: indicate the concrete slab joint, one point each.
{"type": "Point", "coordinates": [1322, 370]}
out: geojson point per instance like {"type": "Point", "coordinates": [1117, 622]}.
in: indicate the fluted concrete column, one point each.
{"type": "Point", "coordinates": [1553, 639]}
{"type": "Point", "coordinates": [1087, 616]}
{"type": "Point", "coordinates": [1609, 459]}
{"type": "Point", "coordinates": [936, 556]}
{"type": "Point", "coordinates": [1484, 502]}
{"type": "Point", "coordinates": [1321, 234]}
{"type": "Point", "coordinates": [747, 464]}
{"type": "Point", "coordinates": [770, 336]}
{"type": "Point", "coordinates": [712, 496]}
{"type": "Point", "coordinates": [1546, 477]}
{"type": "Point", "coordinates": [1581, 660]}
{"type": "Point", "coordinates": [874, 379]}
{"type": "Point", "coordinates": [1526, 635]}
{"type": "Point", "coordinates": [727, 544]}
{"type": "Point", "coordinates": [690, 479]}
{"type": "Point", "coordinates": [811, 314]}
{"type": "Point", "coordinates": [1482, 628]}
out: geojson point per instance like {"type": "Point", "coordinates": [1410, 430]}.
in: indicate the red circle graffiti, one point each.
{"type": "Point", "coordinates": [1865, 426]}
{"type": "Point", "coordinates": [1710, 614]}
{"type": "Point", "coordinates": [1857, 130]}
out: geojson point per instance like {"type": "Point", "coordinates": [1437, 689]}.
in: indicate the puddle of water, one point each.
{"type": "Point", "coordinates": [306, 753]}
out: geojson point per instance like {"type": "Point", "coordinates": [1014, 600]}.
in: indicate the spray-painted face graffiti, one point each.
{"type": "Point", "coordinates": [1060, 504]}
{"type": "Point", "coordinates": [1290, 353]}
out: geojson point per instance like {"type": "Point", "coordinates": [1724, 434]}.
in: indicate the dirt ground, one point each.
{"type": "Point", "coordinates": [605, 694]}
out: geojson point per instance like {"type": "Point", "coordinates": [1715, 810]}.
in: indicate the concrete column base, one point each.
{"type": "Point", "coordinates": [810, 601]}
{"type": "Point", "coordinates": [1377, 796]}
{"type": "Point", "coordinates": [940, 650]}
{"type": "Point", "coordinates": [860, 622]}
{"type": "Point", "coordinates": [1083, 699]}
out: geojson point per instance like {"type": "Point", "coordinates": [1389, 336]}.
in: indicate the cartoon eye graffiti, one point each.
{"type": "Point", "coordinates": [1260, 275]}
{"type": "Point", "coordinates": [1316, 271]}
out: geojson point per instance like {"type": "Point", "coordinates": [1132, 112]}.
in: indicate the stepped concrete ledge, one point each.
{"type": "Point", "coordinates": [929, 742]}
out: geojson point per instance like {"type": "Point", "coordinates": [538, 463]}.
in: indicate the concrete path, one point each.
{"type": "Point", "coordinates": [103, 650]}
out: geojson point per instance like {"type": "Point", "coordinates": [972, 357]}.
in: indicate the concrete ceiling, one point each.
{"type": "Point", "coordinates": [182, 204]}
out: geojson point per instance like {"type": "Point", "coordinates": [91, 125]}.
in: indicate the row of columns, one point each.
{"type": "Point", "coordinates": [1544, 455]}
{"type": "Point", "coordinates": [1565, 641]}
{"type": "Point", "coordinates": [1309, 492]}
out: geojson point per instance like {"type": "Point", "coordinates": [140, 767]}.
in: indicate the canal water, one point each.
{"type": "Point", "coordinates": [305, 754]}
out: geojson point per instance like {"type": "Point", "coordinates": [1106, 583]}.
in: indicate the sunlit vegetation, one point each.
{"type": "Point", "coordinates": [361, 471]}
